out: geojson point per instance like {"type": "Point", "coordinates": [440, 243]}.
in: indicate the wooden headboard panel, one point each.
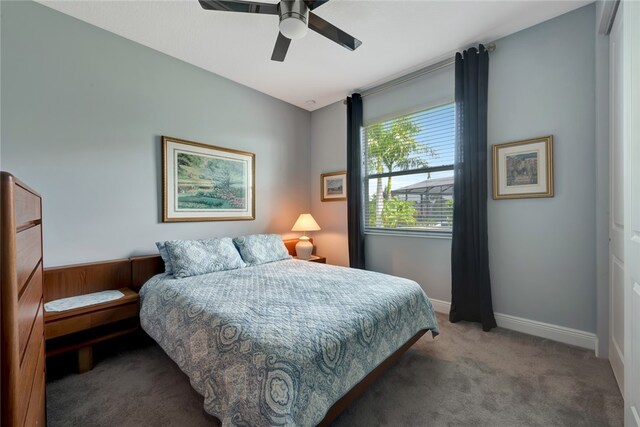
{"type": "Point", "coordinates": [22, 367]}
{"type": "Point", "coordinates": [79, 279]}
{"type": "Point", "coordinates": [71, 280]}
{"type": "Point", "coordinates": [291, 245]}
{"type": "Point", "coordinates": [144, 268]}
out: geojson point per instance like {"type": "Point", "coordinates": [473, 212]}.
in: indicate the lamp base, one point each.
{"type": "Point", "coordinates": [304, 248]}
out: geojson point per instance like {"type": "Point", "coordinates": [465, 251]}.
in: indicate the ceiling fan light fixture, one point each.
{"type": "Point", "coordinates": [293, 28]}
{"type": "Point", "coordinates": [294, 18]}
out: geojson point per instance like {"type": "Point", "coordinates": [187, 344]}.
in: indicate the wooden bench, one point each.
{"type": "Point", "coordinates": [80, 328]}
{"type": "Point", "coordinates": [89, 325]}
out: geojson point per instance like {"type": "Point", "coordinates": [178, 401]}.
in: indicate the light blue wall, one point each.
{"type": "Point", "coordinates": [542, 251]}
{"type": "Point", "coordinates": [329, 154]}
{"type": "Point", "coordinates": [428, 91]}
{"type": "Point", "coordinates": [541, 82]}
{"type": "Point", "coordinates": [82, 115]}
{"type": "Point", "coordinates": [425, 260]}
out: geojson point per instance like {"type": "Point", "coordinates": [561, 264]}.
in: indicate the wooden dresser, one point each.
{"type": "Point", "coordinates": [22, 361]}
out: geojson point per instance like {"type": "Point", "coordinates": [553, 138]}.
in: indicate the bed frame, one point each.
{"type": "Point", "coordinates": [134, 272]}
{"type": "Point", "coordinates": [22, 361]}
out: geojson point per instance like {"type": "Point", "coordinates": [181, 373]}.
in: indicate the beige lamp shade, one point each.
{"type": "Point", "coordinates": [305, 222]}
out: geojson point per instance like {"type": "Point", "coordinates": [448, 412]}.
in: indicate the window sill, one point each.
{"type": "Point", "coordinates": [419, 234]}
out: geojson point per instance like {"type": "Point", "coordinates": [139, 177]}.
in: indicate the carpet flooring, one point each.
{"type": "Point", "coordinates": [465, 377]}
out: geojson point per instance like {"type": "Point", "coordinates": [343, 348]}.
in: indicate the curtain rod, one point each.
{"type": "Point", "coordinates": [415, 74]}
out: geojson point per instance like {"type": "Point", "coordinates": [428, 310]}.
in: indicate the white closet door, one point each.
{"type": "Point", "coordinates": [631, 107]}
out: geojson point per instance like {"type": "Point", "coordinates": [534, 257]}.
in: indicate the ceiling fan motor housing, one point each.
{"type": "Point", "coordinates": [294, 18]}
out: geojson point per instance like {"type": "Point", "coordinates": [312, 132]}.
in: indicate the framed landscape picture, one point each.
{"type": "Point", "coordinates": [205, 183]}
{"type": "Point", "coordinates": [523, 169]}
{"type": "Point", "coordinates": [333, 186]}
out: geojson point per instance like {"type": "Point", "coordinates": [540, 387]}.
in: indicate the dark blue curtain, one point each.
{"type": "Point", "coordinates": [471, 283]}
{"type": "Point", "coordinates": [354, 182]}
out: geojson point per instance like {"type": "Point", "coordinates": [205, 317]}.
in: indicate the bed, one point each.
{"type": "Point", "coordinates": [284, 343]}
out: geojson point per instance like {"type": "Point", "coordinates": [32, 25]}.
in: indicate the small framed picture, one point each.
{"type": "Point", "coordinates": [206, 183]}
{"type": "Point", "coordinates": [333, 186]}
{"type": "Point", "coordinates": [523, 169]}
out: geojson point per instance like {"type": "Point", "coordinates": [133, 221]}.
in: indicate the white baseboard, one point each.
{"type": "Point", "coordinates": [441, 306]}
{"type": "Point", "coordinates": [562, 334]}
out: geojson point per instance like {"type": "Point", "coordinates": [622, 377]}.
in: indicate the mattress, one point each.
{"type": "Point", "coordinates": [280, 343]}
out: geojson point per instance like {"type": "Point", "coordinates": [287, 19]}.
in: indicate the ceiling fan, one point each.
{"type": "Point", "coordinates": [296, 17]}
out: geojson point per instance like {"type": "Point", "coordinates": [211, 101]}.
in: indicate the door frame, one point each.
{"type": "Point", "coordinates": [616, 221]}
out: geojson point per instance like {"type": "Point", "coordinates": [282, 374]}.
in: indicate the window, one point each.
{"type": "Point", "coordinates": [408, 179]}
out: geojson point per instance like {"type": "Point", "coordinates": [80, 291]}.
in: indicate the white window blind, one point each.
{"type": "Point", "coordinates": [408, 180]}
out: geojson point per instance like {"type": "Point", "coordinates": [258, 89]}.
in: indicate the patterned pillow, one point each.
{"type": "Point", "coordinates": [194, 257]}
{"type": "Point", "coordinates": [261, 248]}
{"type": "Point", "coordinates": [168, 268]}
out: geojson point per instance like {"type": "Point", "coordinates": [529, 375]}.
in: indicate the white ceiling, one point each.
{"type": "Point", "coordinates": [398, 36]}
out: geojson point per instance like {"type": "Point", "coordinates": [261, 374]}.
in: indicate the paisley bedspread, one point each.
{"type": "Point", "coordinates": [280, 343]}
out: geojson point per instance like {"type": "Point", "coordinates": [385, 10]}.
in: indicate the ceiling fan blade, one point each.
{"type": "Point", "coordinates": [314, 4]}
{"type": "Point", "coordinates": [240, 6]}
{"type": "Point", "coordinates": [332, 32]}
{"type": "Point", "coordinates": [281, 48]}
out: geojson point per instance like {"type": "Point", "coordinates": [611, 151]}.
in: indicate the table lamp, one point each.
{"type": "Point", "coordinates": [305, 223]}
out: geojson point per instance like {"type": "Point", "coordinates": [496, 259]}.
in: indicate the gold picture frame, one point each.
{"type": "Point", "coordinates": [333, 187]}
{"type": "Point", "coordinates": [523, 169]}
{"type": "Point", "coordinates": [203, 182]}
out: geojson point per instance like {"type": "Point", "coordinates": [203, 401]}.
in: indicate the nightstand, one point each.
{"type": "Point", "coordinates": [314, 258]}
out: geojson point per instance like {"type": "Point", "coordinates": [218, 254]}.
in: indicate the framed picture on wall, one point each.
{"type": "Point", "coordinates": [523, 169]}
{"type": "Point", "coordinates": [206, 183]}
{"type": "Point", "coordinates": [333, 187]}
